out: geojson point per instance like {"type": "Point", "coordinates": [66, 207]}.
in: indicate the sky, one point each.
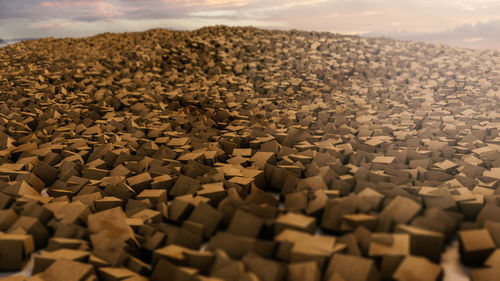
{"type": "Point", "coordinates": [462, 23]}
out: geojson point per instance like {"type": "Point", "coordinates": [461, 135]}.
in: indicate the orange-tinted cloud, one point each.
{"type": "Point", "coordinates": [50, 4]}
{"type": "Point", "coordinates": [40, 25]}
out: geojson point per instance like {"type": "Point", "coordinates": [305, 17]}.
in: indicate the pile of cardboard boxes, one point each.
{"type": "Point", "coordinates": [231, 153]}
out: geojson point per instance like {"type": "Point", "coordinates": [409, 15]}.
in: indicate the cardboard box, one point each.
{"type": "Point", "coordinates": [15, 250]}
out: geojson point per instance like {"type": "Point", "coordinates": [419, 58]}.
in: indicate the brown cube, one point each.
{"type": "Point", "coordinates": [303, 271]}
{"type": "Point", "coordinates": [110, 232]}
{"type": "Point", "coordinates": [260, 159]}
{"type": "Point", "coordinates": [493, 260]}
{"type": "Point", "coordinates": [155, 196]}
{"type": "Point", "coordinates": [401, 209]}
{"type": "Point", "coordinates": [140, 182]}
{"type": "Point", "coordinates": [162, 182]}
{"type": "Point", "coordinates": [296, 201]}
{"type": "Point", "coordinates": [226, 268]}
{"type": "Point", "coordinates": [214, 191]}
{"type": "Point", "coordinates": [56, 243]}
{"type": "Point", "coordinates": [295, 221]}
{"type": "Point", "coordinates": [117, 274]}
{"type": "Point", "coordinates": [352, 268]}
{"type": "Point", "coordinates": [494, 230]}
{"type": "Point", "coordinates": [184, 185]}
{"type": "Point", "coordinates": [201, 260]}
{"type": "Point", "coordinates": [385, 244]}
{"type": "Point", "coordinates": [352, 221]}
{"type": "Point", "coordinates": [208, 216]}
{"type": "Point", "coordinates": [45, 172]}
{"type": "Point", "coordinates": [301, 246]}
{"type": "Point", "coordinates": [14, 251]}
{"type": "Point", "coordinates": [175, 273]}
{"type": "Point", "coordinates": [371, 197]}
{"type": "Point", "coordinates": [334, 211]}
{"type": "Point", "coordinates": [423, 163]}
{"type": "Point", "coordinates": [265, 269]}
{"type": "Point", "coordinates": [107, 202]}
{"type": "Point", "coordinates": [178, 210]}
{"type": "Point", "coordinates": [119, 171]}
{"type": "Point", "coordinates": [135, 206]}
{"type": "Point", "coordinates": [44, 259]}
{"type": "Point", "coordinates": [67, 270]}
{"type": "Point", "coordinates": [196, 156]}
{"type": "Point", "coordinates": [237, 246]}
{"type": "Point", "coordinates": [242, 181]}
{"type": "Point", "coordinates": [418, 269]}
{"type": "Point", "coordinates": [423, 242]}
{"type": "Point", "coordinates": [484, 274]}
{"type": "Point", "coordinates": [7, 219]}
{"type": "Point", "coordinates": [34, 227]}
{"type": "Point", "coordinates": [94, 173]}
{"type": "Point", "coordinates": [475, 246]}
{"type": "Point", "coordinates": [245, 224]}
{"type": "Point", "coordinates": [120, 190]}
{"type": "Point", "coordinates": [138, 266]}
{"type": "Point", "coordinates": [147, 215]}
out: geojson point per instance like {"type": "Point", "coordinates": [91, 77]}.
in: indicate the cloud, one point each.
{"type": "Point", "coordinates": [224, 3]}
{"type": "Point", "coordinates": [40, 25]}
{"type": "Point", "coordinates": [96, 9]}
{"type": "Point", "coordinates": [478, 35]}
{"type": "Point", "coordinates": [375, 12]}
{"type": "Point", "coordinates": [473, 39]}
{"type": "Point", "coordinates": [303, 3]}
{"type": "Point", "coordinates": [214, 13]}
{"type": "Point", "coordinates": [50, 4]}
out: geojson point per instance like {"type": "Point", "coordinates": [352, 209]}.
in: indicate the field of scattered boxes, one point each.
{"type": "Point", "coordinates": [242, 154]}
